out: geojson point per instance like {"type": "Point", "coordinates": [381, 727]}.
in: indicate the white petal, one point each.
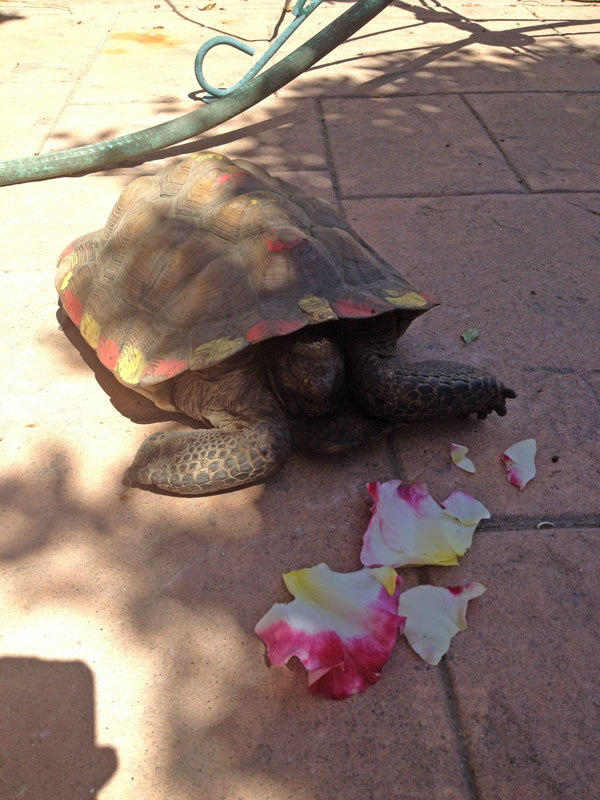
{"type": "Point", "coordinates": [458, 454]}
{"type": "Point", "coordinates": [519, 460]}
{"type": "Point", "coordinates": [434, 615]}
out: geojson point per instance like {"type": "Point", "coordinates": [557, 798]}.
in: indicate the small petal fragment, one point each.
{"type": "Point", "coordinates": [519, 460]}
{"type": "Point", "coordinates": [434, 615]}
{"type": "Point", "coordinates": [458, 454]}
{"type": "Point", "coordinates": [408, 526]}
{"type": "Point", "coordinates": [342, 627]}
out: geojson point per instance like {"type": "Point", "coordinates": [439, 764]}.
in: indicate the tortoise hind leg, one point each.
{"type": "Point", "coordinates": [201, 462]}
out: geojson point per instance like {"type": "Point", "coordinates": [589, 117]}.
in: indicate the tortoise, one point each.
{"type": "Point", "coordinates": [235, 297]}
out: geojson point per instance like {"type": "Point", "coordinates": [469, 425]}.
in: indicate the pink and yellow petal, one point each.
{"type": "Point", "coordinates": [519, 460]}
{"type": "Point", "coordinates": [434, 615]}
{"type": "Point", "coordinates": [408, 527]}
{"type": "Point", "coordinates": [342, 627]}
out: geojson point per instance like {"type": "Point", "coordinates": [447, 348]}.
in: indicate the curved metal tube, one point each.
{"type": "Point", "coordinates": [114, 151]}
{"type": "Point", "coordinates": [298, 11]}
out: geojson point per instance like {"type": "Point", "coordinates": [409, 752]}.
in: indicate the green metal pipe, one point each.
{"type": "Point", "coordinates": [115, 151]}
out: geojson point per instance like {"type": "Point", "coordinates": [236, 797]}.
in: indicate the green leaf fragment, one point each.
{"type": "Point", "coordinates": [469, 335]}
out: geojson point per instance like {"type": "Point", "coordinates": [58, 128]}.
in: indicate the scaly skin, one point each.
{"type": "Point", "coordinates": [249, 442]}
{"type": "Point", "coordinates": [387, 389]}
{"type": "Point", "coordinates": [250, 439]}
{"type": "Point", "coordinates": [204, 461]}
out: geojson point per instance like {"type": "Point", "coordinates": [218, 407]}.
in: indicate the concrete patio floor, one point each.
{"type": "Point", "coordinates": [462, 141]}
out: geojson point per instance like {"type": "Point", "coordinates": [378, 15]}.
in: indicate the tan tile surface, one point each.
{"type": "Point", "coordinates": [555, 144]}
{"type": "Point", "coordinates": [418, 146]}
{"type": "Point", "coordinates": [523, 672]}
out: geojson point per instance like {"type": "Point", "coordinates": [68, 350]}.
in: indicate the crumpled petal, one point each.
{"type": "Point", "coordinates": [408, 527]}
{"type": "Point", "coordinates": [519, 460]}
{"type": "Point", "coordinates": [342, 627]}
{"type": "Point", "coordinates": [434, 615]}
{"type": "Point", "coordinates": [458, 454]}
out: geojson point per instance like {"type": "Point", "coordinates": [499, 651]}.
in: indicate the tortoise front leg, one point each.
{"type": "Point", "coordinates": [250, 439]}
{"type": "Point", "coordinates": [201, 462]}
{"type": "Point", "coordinates": [389, 389]}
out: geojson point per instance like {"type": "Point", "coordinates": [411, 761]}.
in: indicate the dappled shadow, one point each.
{"type": "Point", "coordinates": [526, 55]}
{"type": "Point", "coordinates": [48, 747]}
{"type": "Point", "coordinates": [178, 588]}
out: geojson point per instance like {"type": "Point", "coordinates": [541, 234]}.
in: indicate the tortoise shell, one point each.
{"type": "Point", "coordinates": [213, 255]}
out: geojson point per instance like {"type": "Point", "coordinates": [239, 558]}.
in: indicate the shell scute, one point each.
{"type": "Point", "coordinates": [212, 255]}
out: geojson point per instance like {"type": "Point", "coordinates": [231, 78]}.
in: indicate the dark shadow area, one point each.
{"type": "Point", "coordinates": [10, 17]}
{"type": "Point", "coordinates": [130, 404]}
{"type": "Point", "coordinates": [48, 747]}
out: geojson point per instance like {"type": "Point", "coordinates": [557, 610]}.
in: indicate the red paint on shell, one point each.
{"type": "Point", "coordinates": [72, 306]}
{"type": "Point", "coordinates": [350, 308]}
{"type": "Point", "coordinates": [108, 352]}
{"type": "Point", "coordinates": [228, 175]}
{"type": "Point", "coordinates": [165, 368]}
{"type": "Point", "coordinates": [456, 589]}
{"type": "Point", "coordinates": [268, 328]}
{"type": "Point", "coordinates": [430, 298]}
{"type": "Point", "coordinates": [278, 239]}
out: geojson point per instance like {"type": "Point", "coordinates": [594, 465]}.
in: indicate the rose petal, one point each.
{"type": "Point", "coordinates": [434, 615]}
{"type": "Point", "coordinates": [342, 627]}
{"type": "Point", "coordinates": [519, 460]}
{"type": "Point", "coordinates": [458, 454]}
{"type": "Point", "coordinates": [407, 526]}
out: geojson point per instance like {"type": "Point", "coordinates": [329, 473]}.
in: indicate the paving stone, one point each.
{"type": "Point", "coordinates": [501, 260]}
{"type": "Point", "coordinates": [30, 123]}
{"type": "Point", "coordinates": [576, 21]}
{"type": "Point", "coordinates": [281, 137]}
{"type": "Point", "coordinates": [538, 133]}
{"type": "Point", "coordinates": [475, 47]}
{"type": "Point", "coordinates": [50, 47]}
{"type": "Point", "coordinates": [418, 147]}
{"type": "Point", "coordinates": [537, 343]}
{"type": "Point", "coordinates": [523, 672]}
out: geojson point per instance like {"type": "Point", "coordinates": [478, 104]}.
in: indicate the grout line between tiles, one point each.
{"type": "Point", "coordinates": [75, 85]}
{"type": "Point", "coordinates": [557, 522]}
{"type": "Point", "coordinates": [494, 139]}
{"type": "Point", "coordinates": [329, 155]}
{"type": "Point", "coordinates": [444, 675]}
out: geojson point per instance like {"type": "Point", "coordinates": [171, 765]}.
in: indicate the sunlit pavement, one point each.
{"type": "Point", "coordinates": [462, 141]}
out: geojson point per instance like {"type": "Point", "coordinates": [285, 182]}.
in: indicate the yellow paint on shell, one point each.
{"type": "Point", "coordinates": [212, 352]}
{"type": "Point", "coordinates": [90, 330]}
{"type": "Point", "coordinates": [406, 300]}
{"type": "Point", "coordinates": [386, 577]}
{"type": "Point", "coordinates": [66, 279]}
{"type": "Point", "coordinates": [317, 308]}
{"type": "Point", "coordinates": [130, 365]}
{"type": "Point", "coordinates": [204, 156]}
